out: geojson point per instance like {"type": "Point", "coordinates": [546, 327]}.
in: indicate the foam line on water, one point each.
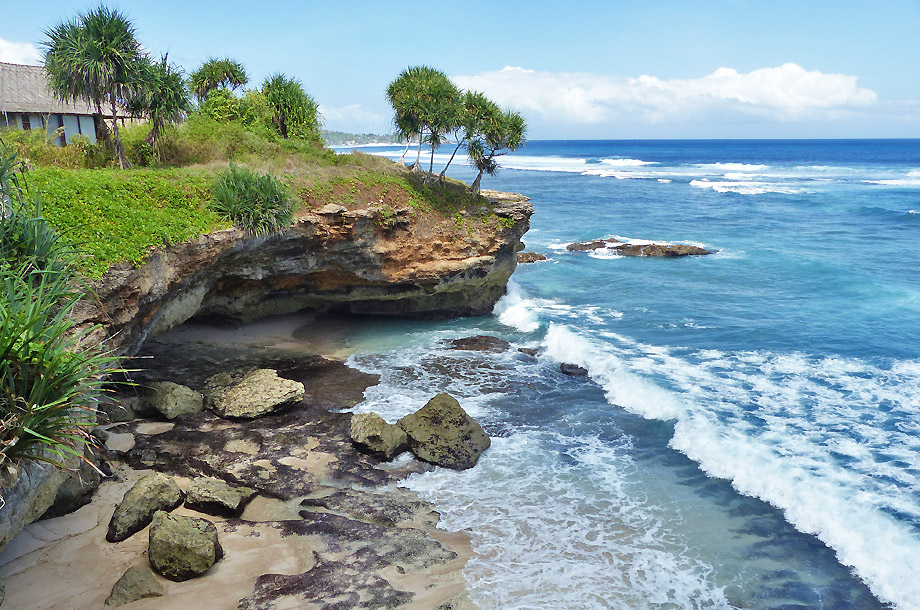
{"type": "Point", "coordinates": [791, 430]}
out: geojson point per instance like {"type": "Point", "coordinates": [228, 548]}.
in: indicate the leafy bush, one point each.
{"type": "Point", "coordinates": [258, 203]}
{"type": "Point", "coordinates": [37, 147]}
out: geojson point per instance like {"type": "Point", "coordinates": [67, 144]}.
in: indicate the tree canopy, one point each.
{"type": "Point", "coordinates": [294, 113]}
{"type": "Point", "coordinates": [96, 57]}
{"type": "Point", "coordinates": [164, 101]}
{"type": "Point", "coordinates": [217, 73]}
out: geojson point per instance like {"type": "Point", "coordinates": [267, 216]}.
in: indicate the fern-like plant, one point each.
{"type": "Point", "coordinates": [258, 203]}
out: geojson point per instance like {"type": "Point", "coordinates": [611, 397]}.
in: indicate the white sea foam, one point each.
{"type": "Point", "coordinates": [792, 430]}
{"type": "Point", "coordinates": [513, 310]}
{"type": "Point", "coordinates": [744, 187]}
{"type": "Point", "coordinates": [733, 167]}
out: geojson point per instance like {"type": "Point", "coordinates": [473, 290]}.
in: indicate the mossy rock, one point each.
{"type": "Point", "coordinates": [442, 433]}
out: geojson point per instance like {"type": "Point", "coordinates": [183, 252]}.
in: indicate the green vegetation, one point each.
{"type": "Point", "coordinates": [294, 113]}
{"type": "Point", "coordinates": [215, 74]}
{"type": "Point", "coordinates": [259, 203]}
{"type": "Point", "coordinates": [341, 138]}
{"type": "Point", "coordinates": [164, 101]}
{"type": "Point", "coordinates": [428, 106]}
{"type": "Point", "coordinates": [50, 374]}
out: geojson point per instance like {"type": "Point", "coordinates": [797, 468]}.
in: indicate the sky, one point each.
{"type": "Point", "coordinates": [575, 70]}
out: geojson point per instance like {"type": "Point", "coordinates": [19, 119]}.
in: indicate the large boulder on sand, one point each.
{"type": "Point", "coordinates": [442, 433]}
{"type": "Point", "coordinates": [217, 497]}
{"type": "Point", "coordinates": [154, 492]}
{"type": "Point", "coordinates": [138, 582]}
{"type": "Point", "coordinates": [372, 433]}
{"type": "Point", "coordinates": [251, 394]}
{"type": "Point", "coordinates": [182, 547]}
{"type": "Point", "coordinates": [172, 399]}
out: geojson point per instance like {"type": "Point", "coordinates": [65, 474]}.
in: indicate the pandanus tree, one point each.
{"type": "Point", "coordinates": [294, 112]}
{"type": "Point", "coordinates": [215, 74]}
{"type": "Point", "coordinates": [502, 132]}
{"type": "Point", "coordinates": [96, 57]}
{"type": "Point", "coordinates": [426, 105]}
{"type": "Point", "coordinates": [477, 114]}
{"type": "Point", "coordinates": [165, 101]}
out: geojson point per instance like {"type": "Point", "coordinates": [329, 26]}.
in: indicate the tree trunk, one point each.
{"type": "Point", "coordinates": [403, 157]}
{"type": "Point", "coordinates": [430, 166]}
{"type": "Point", "coordinates": [418, 156]}
{"type": "Point", "coordinates": [474, 190]}
{"type": "Point", "coordinates": [120, 157]}
{"type": "Point", "coordinates": [449, 161]}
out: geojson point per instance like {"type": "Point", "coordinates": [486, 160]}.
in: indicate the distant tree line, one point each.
{"type": "Point", "coordinates": [96, 57]}
{"type": "Point", "coordinates": [428, 107]}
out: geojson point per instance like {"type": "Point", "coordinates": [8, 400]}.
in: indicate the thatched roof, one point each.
{"type": "Point", "coordinates": [25, 89]}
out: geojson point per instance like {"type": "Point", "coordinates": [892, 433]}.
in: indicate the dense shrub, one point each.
{"type": "Point", "coordinates": [36, 148]}
{"type": "Point", "coordinates": [259, 203]}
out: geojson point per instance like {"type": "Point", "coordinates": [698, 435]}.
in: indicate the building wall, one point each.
{"type": "Point", "coordinates": [73, 124]}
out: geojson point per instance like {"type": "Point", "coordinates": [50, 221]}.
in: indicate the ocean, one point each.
{"type": "Point", "coordinates": [748, 435]}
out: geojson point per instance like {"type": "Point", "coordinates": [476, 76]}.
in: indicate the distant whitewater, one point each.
{"type": "Point", "coordinates": [749, 433]}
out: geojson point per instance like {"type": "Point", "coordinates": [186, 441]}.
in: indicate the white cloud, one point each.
{"type": "Point", "coordinates": [784, 93]}
{"type": "Point", "coordinates": [19, 52]}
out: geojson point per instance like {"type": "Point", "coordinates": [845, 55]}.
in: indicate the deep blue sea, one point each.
{"type": "Point", "coordinates": [749, 432]}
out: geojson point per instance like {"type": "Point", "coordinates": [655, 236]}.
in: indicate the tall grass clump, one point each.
{"type": "Point", "coordinates": [258, 203]}
{"type": "Point", "coordinates": [50, 375]}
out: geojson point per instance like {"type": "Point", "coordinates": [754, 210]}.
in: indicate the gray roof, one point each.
{"type": "Point", "coordinates": [25, 89]}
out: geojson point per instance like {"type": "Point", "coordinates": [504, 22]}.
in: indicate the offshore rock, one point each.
{"type": "Point", "coordinates": [573, 369]}
{"type": "Point", "coordinates": [251, 394]}
{"type": "Point", "coordinates": [623, 249]}
{"type": "Point", "coordinates": [442, 433]}
{"type": "Point", "coordinates": [351, 258]}
{"type": "Point", "coordinates": [154, 493]}
{"type": "Point", "coordinates": [172, 400]}
{"type": "Point", "coordinates": [372, 433]}
{"type": "Point", "coordinates": [216, 497]}
{"type": "Point", "coordinates": [529, 257]}
{"type": "Point", "coordinates": [183, 547]}
{"type": "Point", "coordinates": [136, 583]}
{"type": "Point", "coordinates": [480, 343]}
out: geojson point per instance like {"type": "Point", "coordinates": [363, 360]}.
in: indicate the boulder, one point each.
{"type": "Point", "coordinates": [182, 547]}
{"type": "Point", "coordinates": [27, 492]}
{"type": "Point", "coordinates": [217, 497]}
{"type": "Point", "coordinates": [370, 432]}
{"type": "Point", "coordinates": [172, 399]}
{"type": "Point", "coordinates": [77, 490]}
{"type": "Point", "coordinates": [153, 493]}
{"type": "Point", "coordinates": [442, 433]}
{"type": "Point", "coordinates": [138, 582]}
{"type": "Point", "coordinates": [480, 343]}
{"type": "Point", "coordinates": [573, 369]}
{"type": "Point", "coordinates": [663, 250]}
{"type": "Point", "coordinates": [251, 394]}
{"type": "Point", "coordinates": [530, 351]}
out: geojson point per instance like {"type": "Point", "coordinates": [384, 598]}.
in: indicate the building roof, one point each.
{"type": "Point", "coordinates": [25, 89]}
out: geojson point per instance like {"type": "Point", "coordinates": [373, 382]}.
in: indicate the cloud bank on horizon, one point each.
{"type": "Point", "coordinates": [786, 94]}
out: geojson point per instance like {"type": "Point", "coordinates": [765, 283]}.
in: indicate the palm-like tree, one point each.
{"type": "Point", "coordinates": [165, 101]}
{"type": "Point", "coordinates": [295, 113]}
{"type": "Point", "coordinates": [501, 132]}
{"type": "Point", "coordinates": [477, 114]}
{"type": "Point", "coordinates": [97, 58]}
{"type": "Point", "coordinates": [216, 73]}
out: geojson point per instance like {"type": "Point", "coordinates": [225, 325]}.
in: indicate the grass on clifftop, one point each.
{"type": "Point", "coordinates": [117, 216]}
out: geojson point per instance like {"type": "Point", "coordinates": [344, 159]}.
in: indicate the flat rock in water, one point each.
{"type": "Point", "coordinates": [390, 509]}
{"type": "Point", "coordinates": [530, 351]}
{"type": "Point", "coordinates": [251, 394]}
{"type": "Point", "coordinates": [624, 249]}
{"type": "Point", "coordinates": [372, 433]}
{"type": "Point", "coordinates": [183, 547]}
{"type": "Point", "coordinates": [216, 497]}
{"type": "Point", "coordinates": [480, 343]}
{"type": "Point", "coordinates": [172, 400]}
{"type": "Point", "coordinates": [529, 257]}
{"type": "Point", "coordinates": [573, 369]}
{"type": "Point", "coordinates": [587, 246]}
{"type": "Point", "coordinates": [154, 492]}
{"type": "Point", "coordinates": [442, 433]}
{"type": "Point", "coordinates": [136, 583]}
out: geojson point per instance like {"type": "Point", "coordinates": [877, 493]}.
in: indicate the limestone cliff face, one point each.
{"type": "Point", "coordinates": [363, 259]}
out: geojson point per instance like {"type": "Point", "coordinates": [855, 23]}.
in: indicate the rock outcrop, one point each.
{"type": "Point", "coordinates": [647, 249]}
{"type": "Point", "coordinates": [442, 433]}
{"type": "Point", "coordinates": [251, 394]}
{"type": "Point", "coordinates": [480, 343]}
{"type": "Point", "coordinates": [154, 493]}
{"type": "Point", "coordinates": [183, 547]}
{"type": "Point", "coordinates": [216, 497]}
{"type": "Point", "coordinates": [373, 434]}
{"type": "Point", "coordinates": [354, 258]}
{"type": "Point", "coordinates": [529, 257]}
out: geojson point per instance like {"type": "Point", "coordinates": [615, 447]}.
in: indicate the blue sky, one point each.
{"type": "Point", "coordinates": [720, 68]}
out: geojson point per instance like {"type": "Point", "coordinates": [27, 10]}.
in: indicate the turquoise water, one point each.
{"type": "Point", "coordinates": [749, 434]}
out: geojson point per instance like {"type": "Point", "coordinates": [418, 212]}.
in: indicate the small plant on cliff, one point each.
{"type": "Point", "coordinates": [258, 203]}
{"type": "Point", "coordinates": [50, 375]}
